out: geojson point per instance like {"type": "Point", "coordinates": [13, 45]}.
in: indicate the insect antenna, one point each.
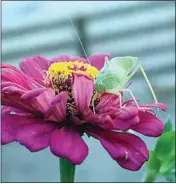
{"type": "Point", "coordinates": [77, 35]}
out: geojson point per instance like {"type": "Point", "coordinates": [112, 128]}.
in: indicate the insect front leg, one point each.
{"type": "Point", "coordinates": [93, 101]}
{"type": "Point", "coordinates": [139, 67]}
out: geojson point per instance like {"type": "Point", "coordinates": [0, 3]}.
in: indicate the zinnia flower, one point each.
{"type": "Point", "coordinates": [48, 103]}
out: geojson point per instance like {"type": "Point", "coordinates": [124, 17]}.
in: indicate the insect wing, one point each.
{"type": "Point", "coordinates": [121, 66]}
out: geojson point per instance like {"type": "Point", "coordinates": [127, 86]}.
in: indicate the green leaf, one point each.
{"type": "Point", "coordinates": [167, 166]}
{"type": "Point", "coordinates": [153, 166]}
{"type": "Point", "coordinates": [168, 125]}
{"type": "Point", "coordinates": [171, 176]}
{"type": "Point", "coordinates": [67, 171]}
{"type": "Point", "coordinates": [165, 145]}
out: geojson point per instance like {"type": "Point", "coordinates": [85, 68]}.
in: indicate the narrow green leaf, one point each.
{"type": "Point", "coordinates": [168, 125]}
{"type": "Point", "coordinates": [67, 171]}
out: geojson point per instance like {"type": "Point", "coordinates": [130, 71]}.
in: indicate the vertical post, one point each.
{"type": "Point", "coordinates": [81, 30]}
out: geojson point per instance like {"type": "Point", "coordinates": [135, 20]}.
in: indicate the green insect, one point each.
{"type": "Point", "coordinates": [115, 74]}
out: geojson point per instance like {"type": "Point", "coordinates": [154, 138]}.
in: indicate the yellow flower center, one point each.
{"type": "Point", "coordinates": [66, 69]}
{"type": "Point", "coordinates": [60, 73]}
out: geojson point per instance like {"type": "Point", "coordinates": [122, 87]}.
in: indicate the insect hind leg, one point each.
{"type": "Point", "coordinates": [135, 101]}
{"type": "Point", "coordinates": [133, 97]}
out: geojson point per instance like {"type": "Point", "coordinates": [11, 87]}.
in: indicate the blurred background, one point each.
{"type": "Point", "coordinates": [145, 29]}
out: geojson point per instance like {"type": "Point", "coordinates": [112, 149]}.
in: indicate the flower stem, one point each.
{"type": "Point", "coordinates": [67, 171]}
{"type": "Point", "coordinates": [150, 177]}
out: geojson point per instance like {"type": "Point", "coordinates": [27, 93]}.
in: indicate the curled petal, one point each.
{"type": "Point", "coordinates": [103, 120]}
{"type": "Point", "coordinates": [124, 125]}
{"type": "Point", "coordinates": [126, 118]}
{"type": "Point", "coordinates": [127, 149]}
{"type": "Point", "coordinates": [127, 112]}
{"type": "Point", "coordinates": [98, 60]}
{"type": "Point", "coordinates": [106, 101]}
{"type": "Point", "coordinates": [33, 93]}
{"type": "Point", "coordinates": [77, 121]}
{"type": "Point", "coordinates": [67, 143]}
{"type": "Point", "coordinates": [57, 109]}
{"type": "Point", "coordinates": [12, 90]}
{"type": "Point", "coordinates": [157, 105]}
{"type": "Point", "coordinates": [149, 125]}
{"type": "Point", "coordinates": [82, 92]}
{"type": "Point", "coordinates": [42, 102]}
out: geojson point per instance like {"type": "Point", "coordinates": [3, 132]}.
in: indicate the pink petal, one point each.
{"type": "Point", "coordinates": [42, 102]}
{"type": "Point", "coordinates": [61, 58]}
{"type": "Point", "coordinates": [10, 84]}
{"type": "Point", "coordinates": [103, 120]}
{"type": "Point", "coordinates": [82, 92]}
{"type": "Point", "coordinates": [106, 101]}
{"type": "Point", "coordinates": [149, 125]}
{"type": "Point", "coordinates": [78, 58]}
{"type": "Point", "coordinates": [33, 93]}
{"type": "Point", "coordinates": [77, 121]}
{"type": "Point", "coordinates": [11, 74]}
{"type": "Point", "coordinates": [67, 143]}
{"type": "Point", "coordinates": [126, 117]}
{"type": "Point", "coordinates": [158, 105]}
{"type": "Point", "coordinates": [35, 136]}
{"type": "Point", "coordinates": [127, 112]}
{"type": "Point", "coordinates": [7, 131]}
{"type": "Point", "coordinates": [57, 109]}
{"type": "Point", "coordinates": [36, 105]}
{"type": "Point", "coordinates": [127, 149]}
{"type": "Point", "coordinates": [124, 125]}
{"type": "Point", "coordinates": [12, 90]}
{"type": "Point", "coordinates": [98, 60]}
{"type": "Point", "coordinates": [66, 58]}
{"type": "Point", "coordinates": [15, 102]}
{"type": "Point", "coordinates": [31, 132]}
{"type": "Point", "coordinates": [42, 62]}
{"type": "Point", "coordinates": [7, 110]}
{"type": "Point", "coordinates": [32, 69]}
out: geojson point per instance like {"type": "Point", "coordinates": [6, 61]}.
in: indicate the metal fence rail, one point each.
{"type": "Point", "coordinates": [15, 42]}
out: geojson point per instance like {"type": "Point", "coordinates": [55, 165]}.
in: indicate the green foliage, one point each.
{"type": "Point", "coordinates": [162, 159]}
{"type": "Point", "coordinates": [168, 125]}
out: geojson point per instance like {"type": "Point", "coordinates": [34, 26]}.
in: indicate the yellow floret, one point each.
{"type": "Point", "coordinates": [66, 69]}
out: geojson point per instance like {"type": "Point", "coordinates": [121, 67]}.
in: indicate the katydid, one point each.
{"type": "Point", "coordinates": [115, 74]}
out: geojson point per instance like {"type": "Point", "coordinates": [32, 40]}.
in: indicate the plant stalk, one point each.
{"type": "Point", "coordinates": [67, 171]}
